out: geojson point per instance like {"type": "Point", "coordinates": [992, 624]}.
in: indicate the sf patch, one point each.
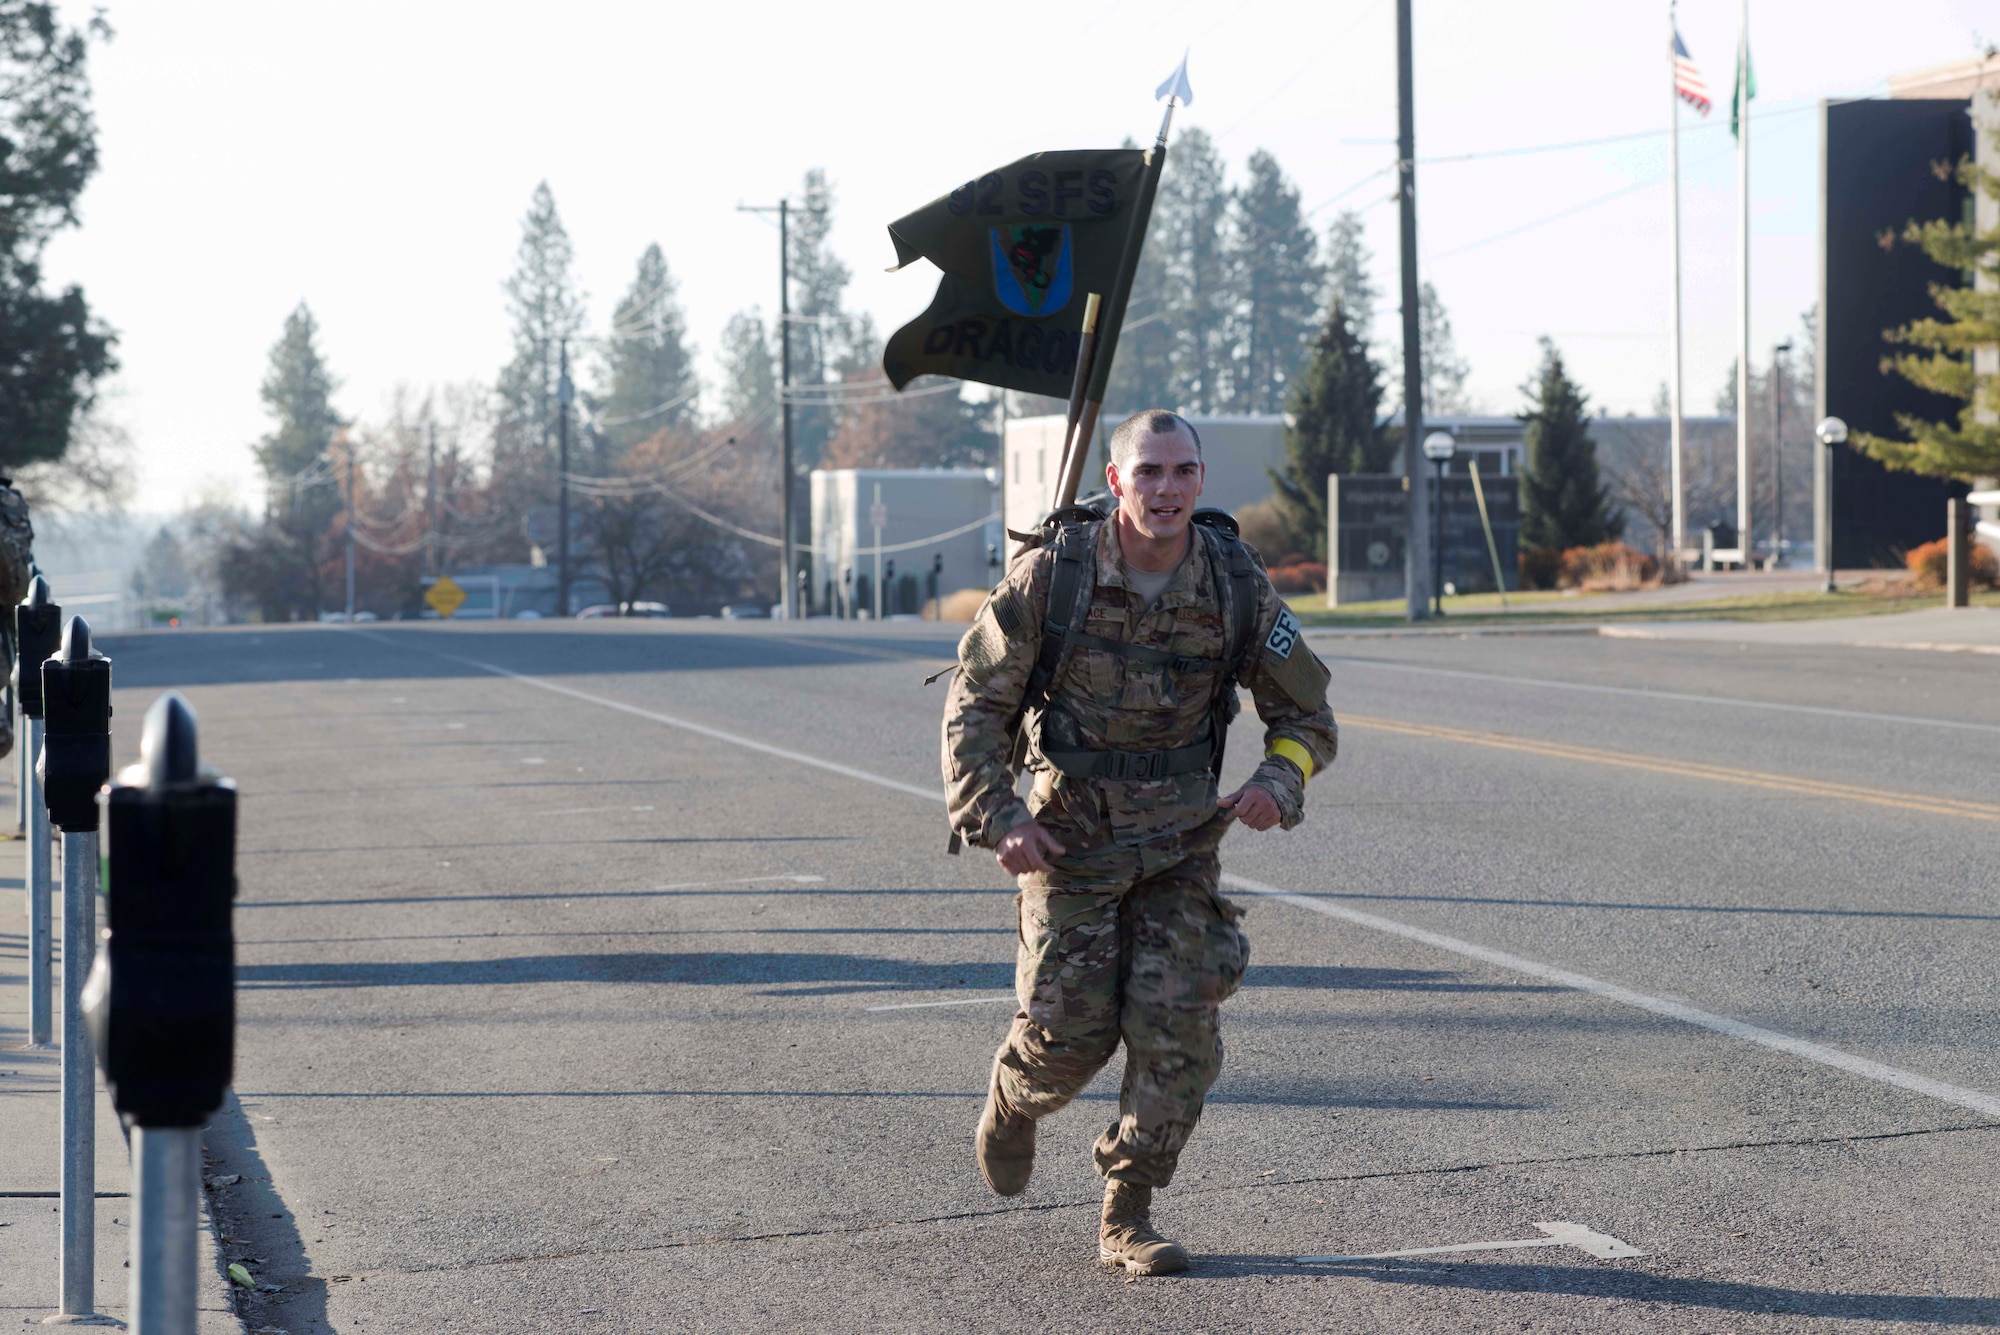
{"type": "Point", "coordinates": [1284, 634]}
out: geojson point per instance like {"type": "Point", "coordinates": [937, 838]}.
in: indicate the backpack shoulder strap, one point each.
{"type": "Point", "coordinates": [1069, 588]}
{"type": "Point", "coordinates": [1239, 573]}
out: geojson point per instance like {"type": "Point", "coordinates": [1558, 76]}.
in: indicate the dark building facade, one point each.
{"type": "Point", "coordinates": [1884, 163]}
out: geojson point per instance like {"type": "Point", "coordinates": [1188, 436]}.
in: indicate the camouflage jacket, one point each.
{"type": "Point", "coordinates": [1102, 701]}
{"type": "Point", "coordinates": [17, 543]}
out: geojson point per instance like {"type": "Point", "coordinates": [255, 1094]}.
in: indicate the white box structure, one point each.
{"type": "Point", "coordinates": [953, 513]}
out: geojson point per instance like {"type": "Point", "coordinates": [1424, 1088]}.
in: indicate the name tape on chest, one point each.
{"type": "Point", "coordinates": [1284, 634]}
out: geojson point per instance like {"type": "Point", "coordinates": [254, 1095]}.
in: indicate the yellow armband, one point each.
{"type": "Point", "coordinates": [1293, 752]}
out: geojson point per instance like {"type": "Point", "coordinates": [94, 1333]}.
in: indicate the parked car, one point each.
{"type": "Point", "coordinates": [745, 612]}
{"type": "Point", "coordinates": [638, 609]}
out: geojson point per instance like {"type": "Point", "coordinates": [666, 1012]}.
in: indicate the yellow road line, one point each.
{"type": "Point", "coordinates": [1937, 806]}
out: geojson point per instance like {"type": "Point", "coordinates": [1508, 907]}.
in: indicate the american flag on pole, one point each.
{"type": "Point", "coordinates": [1687, 79]}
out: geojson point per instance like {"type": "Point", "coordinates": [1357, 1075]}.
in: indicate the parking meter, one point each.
{"type": "Point", "coordinates": [76, 752]}
{"type": "Point", "coordinates": [38, 634]}
{"type": "Point", "coordinates": [161, 1001]}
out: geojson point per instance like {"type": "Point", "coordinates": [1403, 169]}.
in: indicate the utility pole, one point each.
{"type": "Point", "coordinates": [564, 392]}
{"type": "Point", "coordinates": [1416, 544]}
{"type": "Point", "coordinates": [787, 601]}
{"type": "Point", "coordinates": [350, 531]}
{"type": "Point", "coordinates": [430, 506]}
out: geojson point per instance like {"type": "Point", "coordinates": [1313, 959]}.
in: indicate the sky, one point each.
{"type": "Point", "coordinates": [374, 161]}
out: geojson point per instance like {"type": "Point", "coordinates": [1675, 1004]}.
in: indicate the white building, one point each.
{"type": "Point", "coordinates": [1237, 451]}
{"type": "Point", "coordinates": [923, 514]}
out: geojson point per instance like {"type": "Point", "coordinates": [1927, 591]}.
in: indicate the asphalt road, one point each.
{"type": "Point", "coordinates": [614, 978]}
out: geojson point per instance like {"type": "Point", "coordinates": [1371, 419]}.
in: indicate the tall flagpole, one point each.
{"type": "Point", "coordinates": [1743, 538]}
{"type": "Point", "coordinates": [1674, 385]}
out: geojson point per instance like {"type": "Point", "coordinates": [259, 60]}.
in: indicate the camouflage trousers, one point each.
{"type": "Point", "coordinates": [1134, 944]}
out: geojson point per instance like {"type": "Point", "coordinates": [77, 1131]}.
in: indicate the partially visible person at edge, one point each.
{"type": "Point", "coordinates": [1124, 933]}
{"type": "Point", "coordinates": [17, 567]}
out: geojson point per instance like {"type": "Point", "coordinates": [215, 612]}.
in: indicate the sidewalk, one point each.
{"type": "Point", "coordinates": [31, 1139]}
{"type": "Point", "coordinates": [1699, 586]}
{"type": "Point", "coordinates": [1953, 630]}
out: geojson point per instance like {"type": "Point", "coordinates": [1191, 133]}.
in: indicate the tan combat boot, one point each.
{"type": "Point", "coordinates": [1127, 1237]}
{"type": "Point", "coordinates": [1005, 1144]}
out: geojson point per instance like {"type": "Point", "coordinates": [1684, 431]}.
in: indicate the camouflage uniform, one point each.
{"type": "Point", "coordinates": [1128, 937]}
{"type": "Point", "coordinates": [17, 541]}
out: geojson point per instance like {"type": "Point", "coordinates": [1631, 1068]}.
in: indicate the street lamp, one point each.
{"type": "Point", "coordinates": [1438, 448]}
{"type": "Point", "coordinates": [1831, 432]}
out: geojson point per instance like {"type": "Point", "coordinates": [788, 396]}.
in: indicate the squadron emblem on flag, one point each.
{"type": "Point", "coordinates": [1031, 268]}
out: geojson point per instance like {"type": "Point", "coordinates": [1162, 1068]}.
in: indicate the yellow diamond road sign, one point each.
{"type": "Point", "coordinates": [445, 596]}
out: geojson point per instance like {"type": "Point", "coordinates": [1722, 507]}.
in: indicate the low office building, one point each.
{"type": "Point", "coordinates": [888, 530]}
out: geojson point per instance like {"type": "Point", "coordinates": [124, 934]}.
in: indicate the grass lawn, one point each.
{"type": "Point", "coordinates": [1547, 608]}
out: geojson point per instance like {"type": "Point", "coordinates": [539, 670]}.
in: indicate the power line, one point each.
{"type": "Point", "coordinates": [653, 411]}
{"type": "Point", "coordinates": [1563, 146]}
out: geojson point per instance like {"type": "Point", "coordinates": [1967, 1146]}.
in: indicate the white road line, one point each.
{"type": "Point", "coordinates": [1986, 1104]}
{"type": "Point", "coordinates": [589, 811]}
{"type": "Point", "coordinates": [1728, 701]}
{"type": "Point", "coordinates": [1560, 1234]}
{"type": "Point", "coordinates": [927, 1005]}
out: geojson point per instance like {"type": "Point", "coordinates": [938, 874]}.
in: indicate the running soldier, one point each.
{"type": "Point", "coordinates": [1112, 655]}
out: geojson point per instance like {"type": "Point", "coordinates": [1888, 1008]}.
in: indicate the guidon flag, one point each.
{"type": "Point", "coordinates": [1020, 248]}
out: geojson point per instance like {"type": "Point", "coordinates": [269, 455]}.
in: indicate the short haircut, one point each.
{"type": "Point", "coordinates": [1144, 426]}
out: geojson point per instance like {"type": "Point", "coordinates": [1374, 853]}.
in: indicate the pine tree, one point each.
{"type": "Point", "coordinates": [546, 308]}
{"type": "Point", "coordinates": [1174, 350]}
{"type": "Point", "coordinates": [1444, 371]}
{"type": "Point", "coordinates": [1277, 282]}
{"type": "Point", "coordinates": [1336, 428]}
{"type": "Point", "coordinates": [1563, 503]}
{"type": "Point", "coordinates": [285, 567]}
{"type": "Point", "coordinates": [1348, 282]}
{"type": "Point", "coordinates": [749, 378]}
{"type": "Point", "coordinates": [820, 327]}
{"type": "Point", "coordinates": [1203, 286]}
{"type": "Point", "coordinates": [1956, 357]}
{"type": "Point", "coordinates": [1142, 371]}
{"type": "Point", "coordinates": [53, 350]}
{"type": "Point", "coordinates": [650, 380]}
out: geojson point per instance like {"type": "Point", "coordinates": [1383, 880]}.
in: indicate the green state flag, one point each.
{"type": "Point", "coordinates": [1746, 88]}
{"type": "Point", "coordinates": [1021, 248]}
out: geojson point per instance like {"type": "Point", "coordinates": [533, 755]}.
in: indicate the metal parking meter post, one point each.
{"type": "Point", "coordinates": [41, 899]}
{"type": "Point", "coordinates": [79, 1078]}
{"type": "Point", "coordinates": [75, 762]}
{"type": "Point", "coordinates": [38, 627]}
{"type": "Point", "coordinates": [161, 1001]}
{"type": "Point", "coordinates": [166, 1177]}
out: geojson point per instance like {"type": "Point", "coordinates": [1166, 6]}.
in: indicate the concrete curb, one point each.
{"type": "Point", "coordinates": [1434, 632]}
